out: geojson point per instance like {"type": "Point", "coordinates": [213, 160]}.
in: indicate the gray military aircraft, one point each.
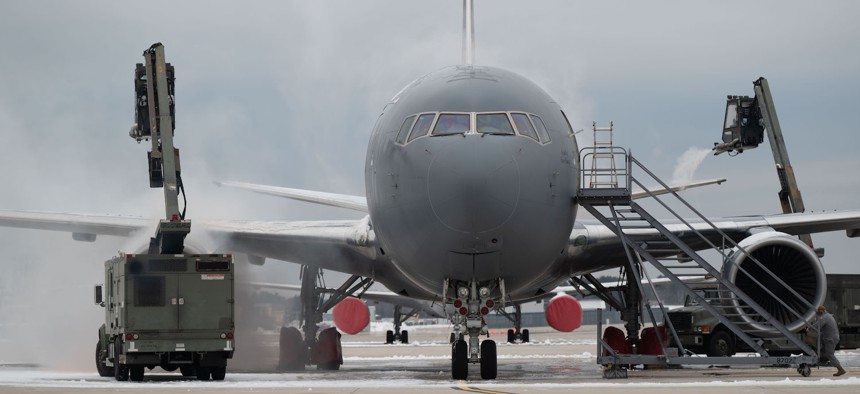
{"type": "Point", "coordinates": [472, 177]}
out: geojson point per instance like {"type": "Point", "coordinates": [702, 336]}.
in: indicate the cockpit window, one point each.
{"type": "Point", "coordinates": [422, 126]}
{"type": "Point", "coordinates": [461, 123]}
{"type": "Point", "coordinates": [524, 126]}
{"type": "Point", "coordinates": [404, 129]}
{"type": "Point", "coordinates": [541, 129]}
{"type": "Point", "coordinates": [494, 124]}
{"type": "Point", "coordinates": [449, 124]}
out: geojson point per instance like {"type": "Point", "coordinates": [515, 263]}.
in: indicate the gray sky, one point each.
{"type": "Point", "coordinates": [285, 93]}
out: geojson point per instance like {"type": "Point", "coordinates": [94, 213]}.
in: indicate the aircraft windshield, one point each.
{"type": "Point", "coordinates": [541, 129]}
{"type": "Point", "coordinates": [422, 126]}
{"type": "Point", "coordinates": [524, 126]}
{"type": "Point", "coordinates": [494, 124]}
{"type": "Point", "coordinates": [498, 123]}
{"type": "Point", "coordinates": [449, 124]}
{"type": "Point", "coordinates": [404, 129]}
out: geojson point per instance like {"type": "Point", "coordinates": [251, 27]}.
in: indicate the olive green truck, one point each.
{"type": "Point", "coordinates": [167, 311]}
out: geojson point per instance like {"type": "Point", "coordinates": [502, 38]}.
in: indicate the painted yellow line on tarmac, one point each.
{"type": "Point", "coordinates": [477, 390]}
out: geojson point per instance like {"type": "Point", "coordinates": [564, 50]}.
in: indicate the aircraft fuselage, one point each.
{"type": "Point", "coordinates": [463, 184]}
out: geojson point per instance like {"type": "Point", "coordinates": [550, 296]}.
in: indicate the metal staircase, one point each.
{"type": "Point", "coordinates": [603, 173]}
{"type": "Point", "coordinates": [671, 247]}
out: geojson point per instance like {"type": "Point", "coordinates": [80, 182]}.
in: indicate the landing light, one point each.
{"type": "Point", "coordinates": [484, 292]}
{"type": "Point", "coordinates": [463, 292]}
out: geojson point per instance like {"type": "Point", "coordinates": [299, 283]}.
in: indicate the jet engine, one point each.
{"type": "Point", "coordinates": [786, 258]}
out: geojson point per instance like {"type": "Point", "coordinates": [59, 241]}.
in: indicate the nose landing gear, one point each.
{"type": "Point", "coordinates": [470, 306]}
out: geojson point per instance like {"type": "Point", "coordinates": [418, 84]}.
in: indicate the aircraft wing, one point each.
{"type": "Point", "coordinates": [82, 226]}
{"type": "Point", "coordinates": [344, 246]}
{"type": "Point", "coordinates": [677, 188]}
{"type": "Point", "coordinates": [434, 309]}
{"type": "Point", "coordinates": [356, 203]}
{"type": "Point", "coordinates": [339, 245]}
{"type": "Point", "coordinates": [602, 248]}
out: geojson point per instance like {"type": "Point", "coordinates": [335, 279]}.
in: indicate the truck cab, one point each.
{"type": "Point", "coordinates": [698, 330]}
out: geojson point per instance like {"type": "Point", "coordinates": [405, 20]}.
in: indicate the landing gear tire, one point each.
{"type": "Point", "coordinates": [203, 373]}
{"type": "Point", "coordinates": [511, 336]}
{"type": "Point", "coordinates": [460, 360]}
{"type": "Point", "coordinates": [187, 370]}
{"type": "Point", "coordinates": [120, 372]}
{"type": "Point", "coordinates": [329, 354]}
{"type": "Point", "coordinates": [804, 370]}
{"type": "Point", "coordinates": [218, 373]}
{"type": "Point", "coordinates": [489, 366]}
{"type": "Point", "coordinates": [103, 369]}
{"type": "Point", "coordinates": [525, 337]}
{"type": "Point", "coordinates": [720, 344]}
{"type": "Point", "coordinates": [452, 338]}
{"type": "Point", "coordinates": [389, 337]}
{"type": "Point", "coordinates": [292, 350]}
{"type": "Point", "coordinates": [404, 336]}
{"type": "Point", "coordinates": [136, 373]}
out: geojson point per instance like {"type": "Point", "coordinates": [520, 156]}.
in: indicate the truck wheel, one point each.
{"type": "Point", "coordinates": [203, 373]}
{"type": "Point", "coordinates": [136, 373]}
{"type": "Point", "coordinates": [720, 344]}
{"type": "Point", "coordinates": [218, 373]}
{"type": "Point", "coordinates": [103, 369]}
{"type": "Point", "coordinates": [187, 370]}
{"type": "Point", "coordinates": [120, 372]}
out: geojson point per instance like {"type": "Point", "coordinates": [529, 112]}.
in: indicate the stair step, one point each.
{"type": "Point", "coordinates": [684, 267]}
{"type": "Point", "coordinates": [636, 226]}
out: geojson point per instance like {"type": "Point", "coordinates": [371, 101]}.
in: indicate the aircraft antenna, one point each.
{"type": "Point", "coordinates": [468, 32]}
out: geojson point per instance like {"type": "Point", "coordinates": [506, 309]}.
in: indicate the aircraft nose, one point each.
{"type": "Point", "coordinates": [473, 183]}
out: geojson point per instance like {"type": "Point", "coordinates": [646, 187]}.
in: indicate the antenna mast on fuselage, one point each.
{"type": "Point", "coordinates": [468, 32]}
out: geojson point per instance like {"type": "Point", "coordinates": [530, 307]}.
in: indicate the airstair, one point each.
{"type": "Point", "coordinates": [673, 248]}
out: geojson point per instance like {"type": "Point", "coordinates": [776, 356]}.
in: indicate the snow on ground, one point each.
{"type": "Point", "coordinates": [392, 378]}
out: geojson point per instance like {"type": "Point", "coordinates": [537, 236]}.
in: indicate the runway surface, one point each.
{"type": "Point", "coordinates": [553, 362]}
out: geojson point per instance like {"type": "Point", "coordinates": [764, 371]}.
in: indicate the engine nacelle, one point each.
{"type": "Point", "coordinates": [789, 259]}
{"type": "Point", "coordinates": [351, 315]}
{"type": "Point", "coordinates": [564, 313]}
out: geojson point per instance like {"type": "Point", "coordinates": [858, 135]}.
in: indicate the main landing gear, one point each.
{"type": "Point", "coordinates": [324, 352]}
{"type": "Point", "coordinates": [471, 304]}
{"type": "Point", "coordinates": [398, 335]}
{"type": "Point", "coordinates": [516, 334]}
